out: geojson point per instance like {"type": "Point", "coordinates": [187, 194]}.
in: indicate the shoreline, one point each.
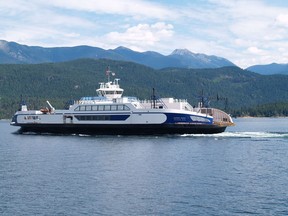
{"type": "Point", "coordinates": [261, 117]}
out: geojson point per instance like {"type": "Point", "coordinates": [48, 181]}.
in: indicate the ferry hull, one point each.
{"type": "Point", "coordinates": [124, 129]}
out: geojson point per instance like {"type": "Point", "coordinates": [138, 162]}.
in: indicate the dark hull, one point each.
{"type": "Point", "coordinates": [125, 129]}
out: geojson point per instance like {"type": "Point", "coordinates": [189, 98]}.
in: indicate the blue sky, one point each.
{"type": "Point", "coordinates": [247, 32]}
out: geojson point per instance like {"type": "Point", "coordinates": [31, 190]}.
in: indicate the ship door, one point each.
{"type": "Point", "coordinates": [67, 119]}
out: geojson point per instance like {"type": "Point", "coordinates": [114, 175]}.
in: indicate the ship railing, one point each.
{"type": "Point", "coordinates": [188, 107]}
{"type": "Point", "coordinates": [180, 100]}
{"type": "Point", "coordinates": [89, 100]}
{"type": "Point", "coordinates": [130, 99]}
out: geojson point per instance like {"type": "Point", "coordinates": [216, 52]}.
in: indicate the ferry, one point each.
{"type": "Point", "coordinates": [110, 113]}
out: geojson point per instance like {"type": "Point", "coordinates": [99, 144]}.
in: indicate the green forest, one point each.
{"type": "Point", "coordinates": [237, 91]}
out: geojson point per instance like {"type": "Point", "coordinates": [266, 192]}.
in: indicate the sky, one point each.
{"type": "Point", "coordinates": [246, 32]}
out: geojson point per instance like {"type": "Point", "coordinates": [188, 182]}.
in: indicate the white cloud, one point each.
{"type": "Point", "coordinates": [141, 36]}
{"type": "Point", "coordinates": [256, 50]}
{"type": "Point", "coordinates": [134, 8]}
{"type": "Point", "coordinates": [282, 20]}
{"type": "Point", "coordinates": [31, 23]}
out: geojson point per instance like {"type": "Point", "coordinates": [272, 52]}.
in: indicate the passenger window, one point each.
{"type": "Point", "coordinates": [120, 107]}
{"type": "Point", "coordinates": [107, 108]}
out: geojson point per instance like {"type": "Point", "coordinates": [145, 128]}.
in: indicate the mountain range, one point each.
{"type": "Point", "coordinates": [270, 69]}
{"type": "Point", "coordinates": [14, 53]}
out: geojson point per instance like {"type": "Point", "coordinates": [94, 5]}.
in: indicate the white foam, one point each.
{"type": "Point", "coordinates": [241, 135]}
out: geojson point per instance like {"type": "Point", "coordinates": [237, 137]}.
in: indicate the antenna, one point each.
{"type": "Point", "coordinates": [153, 98]}
{"type": "Point", "coordinates": [108, 73]}
{"type": "Point", "coordinates": [204, 100]}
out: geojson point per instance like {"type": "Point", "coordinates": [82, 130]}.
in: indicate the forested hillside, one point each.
{"type": "Point", "coordinates": [60, 82]}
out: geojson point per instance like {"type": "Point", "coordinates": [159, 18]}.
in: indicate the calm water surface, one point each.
{"type": "Point", "coordinates": [243, 171]}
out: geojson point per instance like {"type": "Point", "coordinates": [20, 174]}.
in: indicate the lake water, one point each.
{"type": "Point", "coordinates": [243, 171]}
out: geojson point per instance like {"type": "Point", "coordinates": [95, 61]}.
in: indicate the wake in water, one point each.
{"type": "Point", "coordinates": [242, 135]}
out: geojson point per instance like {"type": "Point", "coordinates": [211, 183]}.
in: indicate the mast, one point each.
{"type": "Point", "coordinates": [108, 71]}
{"type": "Point", "coordinates": [154, 98]}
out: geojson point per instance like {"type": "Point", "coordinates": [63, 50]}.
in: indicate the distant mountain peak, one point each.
{"type": "Point", "coordinates": [122, 48]}
{"type": "Point", "coordinates": [182, 52]}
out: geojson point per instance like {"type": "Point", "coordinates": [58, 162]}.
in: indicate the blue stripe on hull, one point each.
{"type": "Point", "coordinates": [173, 118]}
